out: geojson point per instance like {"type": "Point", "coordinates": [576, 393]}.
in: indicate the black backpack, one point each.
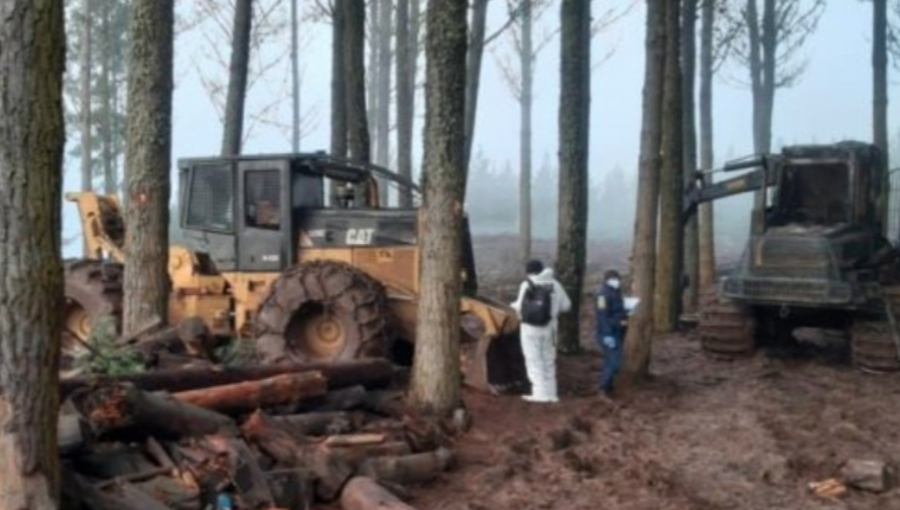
{"type": "Point", "coordinates": [537, 304]}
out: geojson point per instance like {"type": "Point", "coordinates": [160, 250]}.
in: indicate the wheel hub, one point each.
{"type": "Point", "coordinates": [317, 333]}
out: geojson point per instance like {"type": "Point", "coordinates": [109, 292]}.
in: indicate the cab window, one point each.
{"type": "Point", "coordinates": [262, 199]}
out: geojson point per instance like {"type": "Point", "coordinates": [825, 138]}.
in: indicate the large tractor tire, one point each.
{"type": "Point", "coordinates": [323, 311]}
{"type": "Point", "coordinates": [725, 329]}
{"type": "Point", "coordinates": [93, 289]}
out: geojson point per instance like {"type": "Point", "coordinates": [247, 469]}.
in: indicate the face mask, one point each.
{"type": "Point", "coordinates": [614, 283]}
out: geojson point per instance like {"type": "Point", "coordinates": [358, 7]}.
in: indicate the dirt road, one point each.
{"type": "Point", "coordinates": [703, 434]}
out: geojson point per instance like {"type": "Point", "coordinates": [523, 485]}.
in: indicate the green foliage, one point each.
{"type": "Point", "coordinates": [238, 352]}
{"type": "Point", "coordinates": [105, 356]}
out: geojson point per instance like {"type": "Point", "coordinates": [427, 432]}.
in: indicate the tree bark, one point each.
{"type": "Point", "coordinates": [671, 242]}
{"type": "Point", "coordinates": [880, 95]}
{"type": "Point", "coordinates": [372, 68]}
{"type": "Point", "coordinates": [295, 78]}
{"type": "Point", "coordinates": [574, 125]}
{"type": "Point", "coordinates": [769, 46]}
{"type": "Point", "coordinates": [639, 340]}
{"type": "Point", "coordinates": [707, 239]}
{"type": "Point", "coordinates": [32, 61]}
{"type": "Point", "coordinates": [526, 56]}
{"type": "Point", "coordinates": [473, 73]}
{"type": "Point", "coordinates": [756, 76]}
{"type": "Point", "coordinates": [237, 78]}
{"type": "Point", "coordinates": [435, 387]}
{"type": "Point", "coordinates": [405, 93]}
{"type": "Point", "coordinates": [689, 68]}
{"type": "Point", "coordinates": [355, 77]}
{"type": "Point", "coordinates": [87, 171]}
{"type": "Point", "coordinates": [338, 85]}
{"type": "Point", "coordinates": [110, 182]}
{"type": "Point", "coordinates": [148, 157]}
{"type": "Point", "coordinates": [383, 112]}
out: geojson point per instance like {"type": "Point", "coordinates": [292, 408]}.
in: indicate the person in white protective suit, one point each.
{"type": "Point", "coordinates": [539, 336]}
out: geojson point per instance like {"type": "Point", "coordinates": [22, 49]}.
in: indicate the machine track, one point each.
{"type": "Point", "coordinates": [93, 288]}
{"type": "Point", "coordinates": [323, 311]}
{"type": "Point", "coordinates": [725, 329]}
{"type": "Point", "coordinates": [872, 342]}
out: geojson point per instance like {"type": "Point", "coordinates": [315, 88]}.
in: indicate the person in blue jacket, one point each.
{"type": "Point", "coordinates": [610, 321]}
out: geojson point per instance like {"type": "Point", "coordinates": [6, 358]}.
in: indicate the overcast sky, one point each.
{"type": "Point", "coordinates": [832, 100]}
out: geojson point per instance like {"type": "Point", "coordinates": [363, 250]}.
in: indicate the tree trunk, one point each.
{"type": "Point", "coordinates": [639, 341]}
{"type": "Point", "coordinates": [383, 113]}
{"type": "Point", "coordinates": [371, 32]}
{"type": "Point", "coordinates": [295, 78]}
{"type": "Point", "coordinates": [526, 55]}
{"type": "Point", "coordinates": [574, 124]}
{"type": "Point", "coordinates": [756, 78]}
{"type": "Point", "coordinates": [769, 46]}
{"type": "Point", "coordinates": [148, 158]}
{"type": "Point", "coordinates": [32, 61]}
{"type": "Point", "coordinates": [435, 386]}
{"type": "Point", "coordinates": [707, 239]}
{"type": "Point", "coordinates": [473, 74]}
{"type": "Point", "coordinates": [237, 78]}
{"type": "Point", "coordinates": [338, 85]}
{"type": "Point", "coordinates": [110, 186]}
{"type": "Point", "coordinates": [671, 242]}
{"type": "Point", "coordinates": [880, 95]}
{"type": "Point", "coordinates": [405, 94]}
{"type": "Point", "coordinates": [87, 171]}
{"type": "Point", "coordinates": [691, 234]}
{"type": "Point", "coordinates": [355, 78]}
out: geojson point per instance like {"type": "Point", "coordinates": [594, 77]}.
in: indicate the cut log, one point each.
{"type": "Point", "coordinates": [247, 396]}
{"type": "Point", "coordinates": [172, 492]}
{"type": "Point", "coordinates": [355, 455]}
{"type": "Point", "coordinates": [370, 373]}
{"type": "Point", "coordinates": [344, 399]}
{"type": "Point", "coordinates": [387, 403]}
{"type": "Point", "coordinates": [408, 469]}
{"type": "Point", "coordinates": [122, 408]}
{"type": "Point", "coordinates": [319, 424]}
{"type": "Point", "coordinates": [168, 361]}
{"type": "Point", "coordinates": [79, 492]}
{"type": "Point", "coordinates": [328, 470]}
{"type": "Point", "coordinates": [363, 493]}
{"type": "Point", "coordinates": [291, 489]}
{"type": "Point", "coordinates": [868, 475]}
{"type": "Point", "coordinates": [355, 439]}
{"type": "Point", "coordinates": [249, 479]}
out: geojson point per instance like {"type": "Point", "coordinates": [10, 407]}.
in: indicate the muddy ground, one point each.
{"type": "Point", "coordinates": [702, 434]}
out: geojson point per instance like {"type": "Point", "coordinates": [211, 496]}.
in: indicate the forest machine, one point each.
{"type": "Point", "coordinates": [296, 253]}
{"type": "Point", "coordinates": [817, 254]}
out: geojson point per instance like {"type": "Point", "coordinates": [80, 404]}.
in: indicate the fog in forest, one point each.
{"type": "Point", "coordinates": [831, 102]}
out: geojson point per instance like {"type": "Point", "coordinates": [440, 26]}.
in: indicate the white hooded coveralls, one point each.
{"type": "Point", "coordinates": [539, 342]}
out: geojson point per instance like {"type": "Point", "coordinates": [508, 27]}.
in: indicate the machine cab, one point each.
{"type": "Point", "coordinates": [254, 213]}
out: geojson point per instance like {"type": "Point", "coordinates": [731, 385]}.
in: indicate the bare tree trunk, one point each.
{"type": "Point", "coordinates": [707, 240]}
{"type": "Point", "coordinates": [295, 79]}
{"type": "Point", "coordinates": [148, 156]}
{"type": "Point", "coordinates": [372, 69]}
{"type": "Point", "coordinates": [691, 234]}
{"type": "Point", "coordinates": [338, 83]}
{"type": "Point", "coordinates": [355, 77]}
{"type": "Point", "coordinates": [769, 46]}
{"type": "Point", "coordinates": [87, 170]}
{"type": "Point", "coordinates": [880, 95]}
{"type": "Point", "coordinates": [755, 67]}
{"type": "Point", "coordinates": [405, 93]}
{"type": "Point", "coordinates": [668, 266]}
{"type": "Point", "coordinates": [639, 341]}
{"type": "Point", "coordinates": [473, 72]}
{"type": "Point", "coordinates": [32, 136]}
{"type": "Point", "coordinates": [110, 184]}
{"type": "Point", "coordinates": [383, 118]}
{"type": "Point", "coordinates": [237, 78]}
{"type": "Point", "coordinates": [574, 124]}
{"type": "Point", "coordinates": [526, 55]}
{"type": "Point", "coordinates": [435, 387]}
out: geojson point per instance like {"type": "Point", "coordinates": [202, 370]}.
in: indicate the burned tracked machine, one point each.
{"type": "Point", "coordinates": [817, 255]}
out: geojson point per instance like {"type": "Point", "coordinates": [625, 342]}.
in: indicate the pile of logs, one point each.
{"type": "Point", "coordinates": [265, 437]}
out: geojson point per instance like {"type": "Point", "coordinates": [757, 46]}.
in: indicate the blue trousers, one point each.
{"type": "Point", "coordinates": [612, 361]}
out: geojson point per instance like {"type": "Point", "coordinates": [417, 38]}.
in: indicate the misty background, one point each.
{"type": "Point", "coordinates": [830, 102]}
